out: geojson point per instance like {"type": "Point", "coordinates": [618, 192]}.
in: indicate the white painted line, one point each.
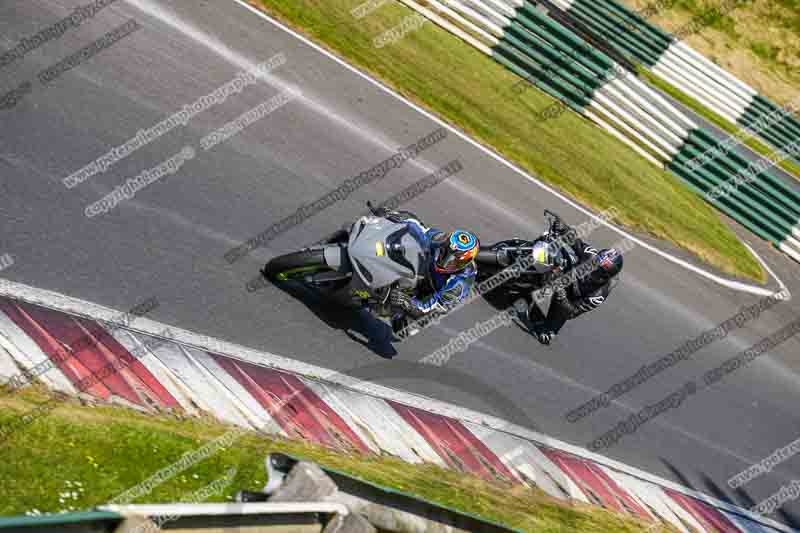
{"type": "Point", "coordinates": [791, 252]}
{"type": "Point", "coordinates": [783, 288]}
{"type": "Point", "coordinates": [735, 285]}
{"type": "Point", "coordinates": [68, 304]}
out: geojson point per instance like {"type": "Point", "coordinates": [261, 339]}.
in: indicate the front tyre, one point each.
{"type": "Point", "coordinates": [296, 265]}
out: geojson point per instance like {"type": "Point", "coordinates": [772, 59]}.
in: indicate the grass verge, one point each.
{"type": "Point", "coordinates": [474, 93]}
{"type": "Point", "coordinates": [722, 123]}
{"type": "Point", "coordinates": [758, 42]}
{"type": "Point", "coordinates": [103, 450]}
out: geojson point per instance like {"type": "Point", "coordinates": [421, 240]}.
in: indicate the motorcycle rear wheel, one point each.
{"type": "Point", "coordinates": [296, 265]}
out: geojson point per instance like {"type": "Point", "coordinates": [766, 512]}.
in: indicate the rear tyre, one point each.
{"type": "Point", "coordinates": [296, 265]}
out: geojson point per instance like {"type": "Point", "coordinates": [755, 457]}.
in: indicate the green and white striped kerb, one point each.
{"type": "Point", "coordinates": [762, 203]}
{"type": "Point", "coordinates": [562, 64]}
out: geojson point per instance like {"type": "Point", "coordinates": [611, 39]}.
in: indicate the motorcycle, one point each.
{"type": "Point", "coordinates": [361, 265]}
{"type": "Point", "coordinates": [536, 273]}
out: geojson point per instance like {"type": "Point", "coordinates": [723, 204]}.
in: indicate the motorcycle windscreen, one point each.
{"type": "Point", "coordinates": [372, 257]}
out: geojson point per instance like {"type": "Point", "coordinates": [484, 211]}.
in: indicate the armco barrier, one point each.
{"type": "Point", "coordinates": [234, 385]}
{"type": "Point", "coordinates": [386, 509]}
{"type": "Point", "coordinates": [82, 522]}
{"type": "Point", "coordinates": [303, 517]}
{"type": "Point", "coordinates": [550, 45]}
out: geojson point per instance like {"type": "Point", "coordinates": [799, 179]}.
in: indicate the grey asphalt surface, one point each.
{"type": "Point", "coordinates": [169, 240]}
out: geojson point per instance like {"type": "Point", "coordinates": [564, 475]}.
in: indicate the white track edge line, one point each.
{"type": "Point", "coordinates": [781, 284]}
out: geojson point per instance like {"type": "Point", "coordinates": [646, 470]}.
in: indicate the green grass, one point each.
{"type": "Point", "coordinates": [474, 93]}
{"type": "Point", "coordinates": [787, 18]}
{"type": "Point", "coordinates": [724, 124]}
{"type": "Point", "coordinates": [764, 50]}
{"type": "Point", "coordinates": [792, 21]}
{"type": "Point", "coordinates": [758, 41]}
{"type": "Point", "coordinates": [708, 17]}
{"type": "Point", "coordinates": [110, 449]}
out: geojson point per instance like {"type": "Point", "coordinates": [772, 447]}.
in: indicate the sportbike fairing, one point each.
{"type": "Point", "coordinates": [383, 252]}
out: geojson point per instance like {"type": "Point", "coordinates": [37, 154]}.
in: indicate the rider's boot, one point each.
{"type": "Point", "coordinates": [403, 327]}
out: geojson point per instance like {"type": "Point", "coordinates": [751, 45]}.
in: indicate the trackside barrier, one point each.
{"type": "Point", "coordinates": [309, 516]}
{"type": "Point", "coordinates": [81, 522]}
{"type": "Point", "coordinates": [300, 517]}
{"type": "Point", "coordinates": [550, 44]}
{"type": "Point", "coordinates": [386, 509]}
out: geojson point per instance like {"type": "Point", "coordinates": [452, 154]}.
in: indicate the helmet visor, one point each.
{"type": "Point", "coordinates": [453, 261]}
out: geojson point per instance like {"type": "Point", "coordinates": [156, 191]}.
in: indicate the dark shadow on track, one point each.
{"type": "Point", "coordinates": [682, 479]}
{"type": "Point", "coordinates": [788, 518]}
{"type": "Point", "coordinates": [715, 490]}
{"type": "Point", "coordinates": [781, 515]}
{"type": "Point", "coordinates": [502, 300]}
{"type": "Point", "coordinates": [740, 497]}
{"type": "Point", "coordinates": [743, 499]}
{"type": "Point", "coordinates": [358, 324]}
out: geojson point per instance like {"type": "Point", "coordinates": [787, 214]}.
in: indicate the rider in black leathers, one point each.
{"type": "Point", "coordinates": [582, 295]}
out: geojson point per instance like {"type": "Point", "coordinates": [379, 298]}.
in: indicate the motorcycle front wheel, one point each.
{"type": "Point", "coordinates": [296, 265]}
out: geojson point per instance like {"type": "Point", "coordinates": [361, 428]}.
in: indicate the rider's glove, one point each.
{"type": "Point", "coordinates": [402, 301]}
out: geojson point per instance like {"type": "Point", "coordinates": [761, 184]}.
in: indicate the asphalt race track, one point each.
{"type": "Point", "coordinates": [169, 240]}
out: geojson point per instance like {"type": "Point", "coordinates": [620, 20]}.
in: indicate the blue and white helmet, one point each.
{"type": "Point", "coordinates": [455, 251]}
